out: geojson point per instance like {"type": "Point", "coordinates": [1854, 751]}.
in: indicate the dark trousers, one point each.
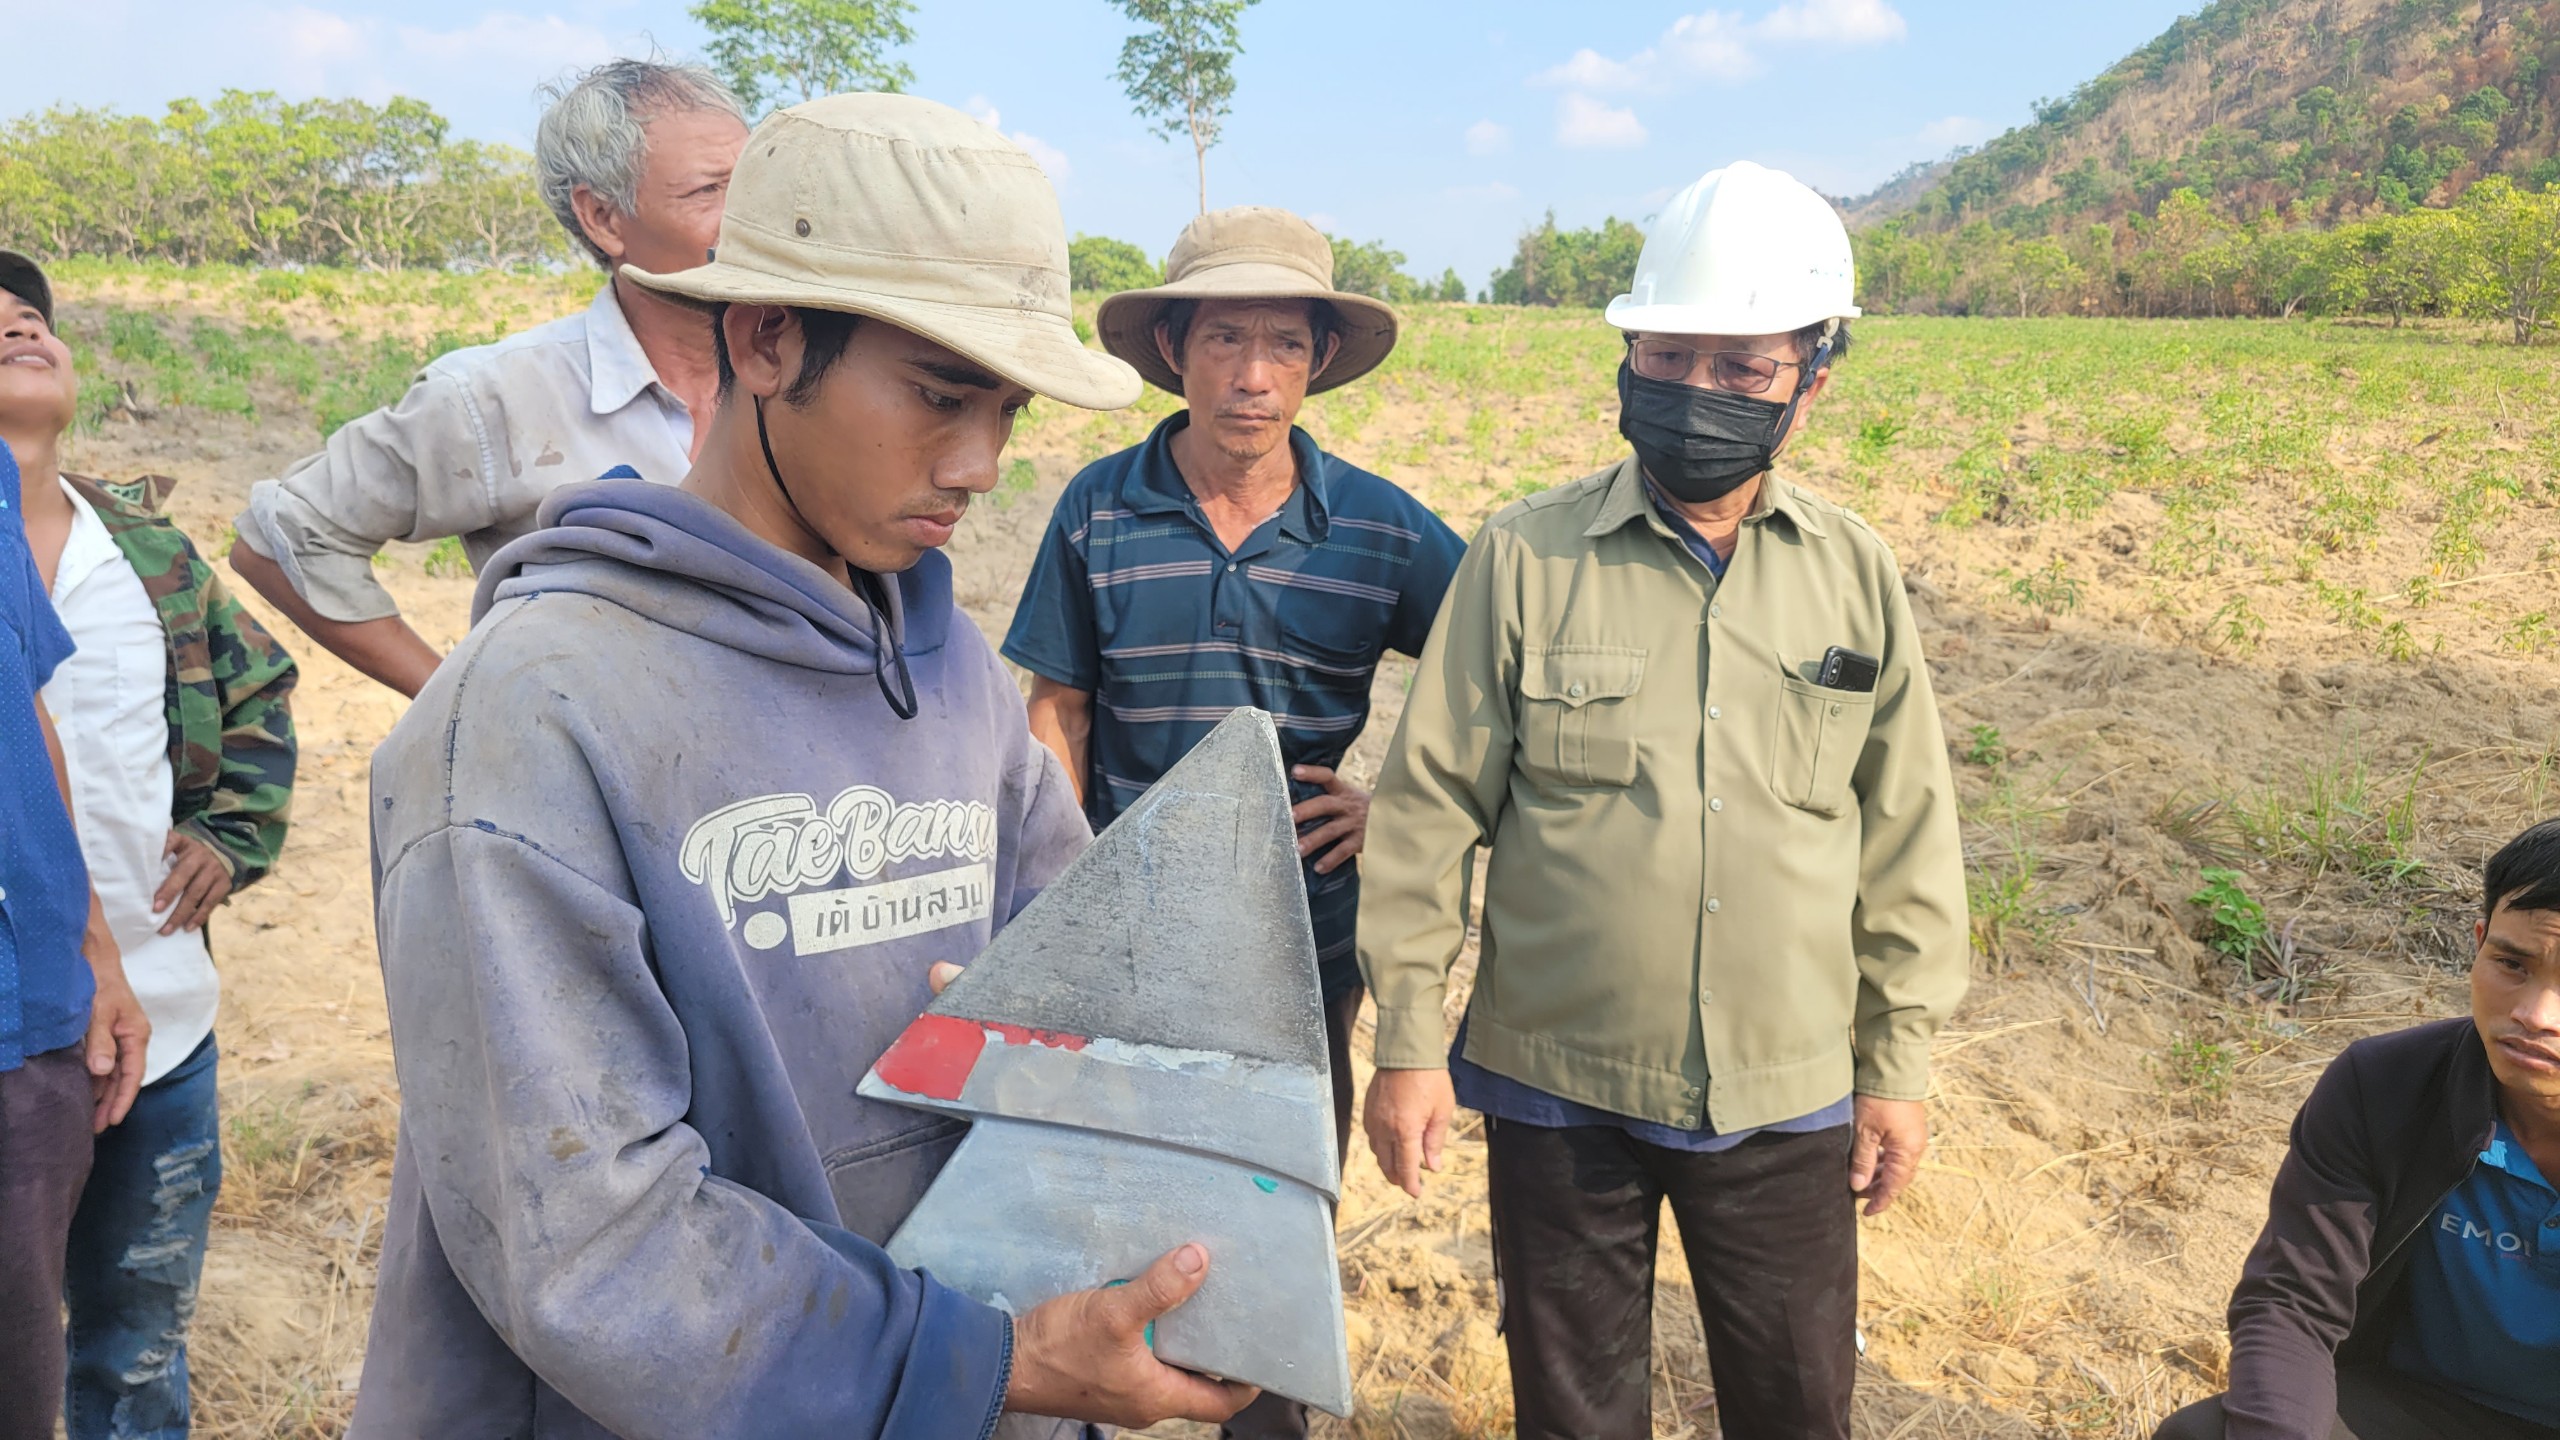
{"type": "Point", "coordinates": [1772, 1242]}
{"type": "Point", "coordinates": [136, 1252]}
{"type": "Point", "coordinates": [44, 1160]}
{"type": "Point", "coordinates": [2377, 1403]}
{"type": "Point", "coordinates": [1271, 1417]}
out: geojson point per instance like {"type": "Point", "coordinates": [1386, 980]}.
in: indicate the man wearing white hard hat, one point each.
{"type": "Point", "coordinates": [1682, 702]}
{"type": "Point", "coordinates": [666, 849]}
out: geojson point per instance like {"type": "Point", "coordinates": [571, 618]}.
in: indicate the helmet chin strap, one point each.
{"type": "Point", "coordinates": [1804, 381]}
{"type": "Point", "coordinates": [902, 700]}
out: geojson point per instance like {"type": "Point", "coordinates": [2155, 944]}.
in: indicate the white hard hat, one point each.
{"type": "Point", "coordinates": [1745, 251]}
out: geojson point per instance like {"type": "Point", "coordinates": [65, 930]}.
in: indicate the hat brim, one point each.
{"type": "Point", "coordinates": [1031, 348]}
{"type": "Point", "coordinates": [1625, 314]}
{"type": "Point", "coordinates": [1126, 325]}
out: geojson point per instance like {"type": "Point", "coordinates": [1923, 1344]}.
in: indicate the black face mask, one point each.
{"type": "Point", "coordinates": [1702, 445]}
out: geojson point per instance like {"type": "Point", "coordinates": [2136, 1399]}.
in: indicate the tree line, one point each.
{"type": "Point", "coordinates": [254, 179]}
{"type": "Point", "coordinates": [2494, 254]}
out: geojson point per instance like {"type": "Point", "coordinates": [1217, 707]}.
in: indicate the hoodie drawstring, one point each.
{"type": "Point", "coordinates": [902, 700]}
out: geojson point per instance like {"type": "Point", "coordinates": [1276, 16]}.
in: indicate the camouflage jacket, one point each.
{"type": "Point", "coordinates": [231, 745]}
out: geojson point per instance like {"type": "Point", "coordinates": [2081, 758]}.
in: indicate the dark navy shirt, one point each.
{"type": "Point", "coordinates": [2484, 1288]}
{"type": "Point", "coordinates": [45, 982]}
{"type": "Point", "coordinates": [1504, 1098]}
{"type": "Point", "coordinates": [1687, 532]}
{"type": "Point", "coordinates": [1133, 599]}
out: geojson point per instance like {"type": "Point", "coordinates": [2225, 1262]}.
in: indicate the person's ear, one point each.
{"type": "Point", "coordinates": [1164, 347]}
{"type": "Point", "coordinates": [601, 223]}
{"type": "Point", "coordinates": [764, 347]}
{"type": "Point", "coordinates": [2479, 934]}
{"type": "Point", "coordinates": [1332, 347]}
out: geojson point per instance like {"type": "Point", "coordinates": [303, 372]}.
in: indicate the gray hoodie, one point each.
{"type": "Point", "coordinates": [658, 875]}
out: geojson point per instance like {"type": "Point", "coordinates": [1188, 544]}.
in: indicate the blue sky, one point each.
{"type": "Point", "coordinates": [1441, 128]}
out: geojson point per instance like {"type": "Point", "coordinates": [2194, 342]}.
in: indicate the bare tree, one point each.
{"type": "Point", "coordinates": [1179, 70]}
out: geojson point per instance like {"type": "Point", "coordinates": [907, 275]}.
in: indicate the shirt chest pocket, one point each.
{"type": "Point", "coordinates": [1338, 656]}
{"type": "Point", "coordinates": [1814, 749]}
{"type": "Point", "coordinates": [1578, 721]}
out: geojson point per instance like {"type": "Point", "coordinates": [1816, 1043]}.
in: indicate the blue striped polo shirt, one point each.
{"type": "Point", "coordinates": [1133, 599]}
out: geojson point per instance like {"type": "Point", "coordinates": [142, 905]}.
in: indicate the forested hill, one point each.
{"type": "Point", "coordinates": [2314, 111]}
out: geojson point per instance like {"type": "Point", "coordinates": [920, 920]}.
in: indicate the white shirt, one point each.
{"type": "Point", "coordinates": [109, 701]}
{"type": "Point", "coordinates": [482, 436]}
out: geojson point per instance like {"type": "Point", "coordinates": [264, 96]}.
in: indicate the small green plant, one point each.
{"type": "Point", "coordinates": [2138, 439]}
{"type": "Point", "coordinates": [2349, 603]}
{"type": "Point", "coordinates": [2201, 825]}
{"type": "Point", "coordinates": [2235, 924]}
{"type": "Point", "coordinates": [263, 1135]}
{"type": "Point", "coordinates": [2539, 779]}
{"type": "Point", "coordinates": [446, 560]}
{"type": "Point", "coordinates": [2202, 1068]}
{"type": "Point", "coordinates": [2052, 589]}
{"type": "Point", "coordinates": [1986, 747]}
{"type": "Point", "coordinates": [2239, 626]}
{"type": "Point", "coordinates": [1875, 437]}
{"type": "Point", "coordinates": [2530, 635]}
{"type": "Point", "coordinates": [2394, 857]}
{"type": "Point", "coordinates": [2333, 815]}
{"type": "Point", "coordinates": [2002, 894]}
{"type": "Point", "coordinates": [2396, 643]}
{"type": "Point", "coordinates": [1020, 479]}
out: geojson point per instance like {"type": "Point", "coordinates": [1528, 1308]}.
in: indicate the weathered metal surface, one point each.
{"type": "Point", "coordinates": [1142, 1051]}
{"type": "Point", "coordinates": [1026, 1211]}
{"type": "Point", "coordinates": [1252, 1111]}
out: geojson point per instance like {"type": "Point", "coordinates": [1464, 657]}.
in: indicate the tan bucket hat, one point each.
{"type": "Point", "coordinates": [1251, 252]}
{"type": "Point", "coordinates": [910, 212]}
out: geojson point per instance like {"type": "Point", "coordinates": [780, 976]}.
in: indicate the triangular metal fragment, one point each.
{"type": "Point", "coordinates": [1142, 1050]}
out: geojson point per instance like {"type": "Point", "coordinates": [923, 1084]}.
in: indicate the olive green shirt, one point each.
{"type": "Point", "coordinates": [1717, 892]}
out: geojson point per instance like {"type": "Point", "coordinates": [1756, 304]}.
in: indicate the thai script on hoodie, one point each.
{"type": "Point", "coordinates": [784, 844]}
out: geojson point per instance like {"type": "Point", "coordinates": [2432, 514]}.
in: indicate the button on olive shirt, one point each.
{"type": "Point", "coordinates": [1719, 892]}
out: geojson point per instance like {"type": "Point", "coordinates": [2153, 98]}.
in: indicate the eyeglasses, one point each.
{"type": "Point", "coordinates": [1743, 372]}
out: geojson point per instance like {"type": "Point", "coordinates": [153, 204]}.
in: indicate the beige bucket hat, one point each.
{"type": "Point", "coordinates": [910, 212]}
{"type": "Point", "coordinates": [1251, 252]}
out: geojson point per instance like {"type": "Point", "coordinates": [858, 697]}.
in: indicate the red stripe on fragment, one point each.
{"type": "Point", "coordinates": [1025, 1035]}
{"type": "Point", "coordinates": [934, 1057]}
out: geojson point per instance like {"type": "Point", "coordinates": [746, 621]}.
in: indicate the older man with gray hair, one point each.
{"type": "Point", "coordinates": [634, 157]}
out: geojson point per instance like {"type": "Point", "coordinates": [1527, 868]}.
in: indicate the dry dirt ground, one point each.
{"type": "Point", "coordinates": [2110, 1102]}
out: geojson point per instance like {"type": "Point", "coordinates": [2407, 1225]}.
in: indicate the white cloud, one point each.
{"type": "Point", "coordinates": [1713, 45]}
{"type": "Point", "coordinates": [316, 37]}
{"type": "Point", "coordinates": [1496, 190]}
{"type": "Point", "coordinates": [1835, 22]}
{"type": "Point", "coordinates": [1724, 45]}
{"type": "Point", "coordinates": [1324, 220]}
{"type": "Point", "coordinates": [1940, 136]}
{"type": "Point", "coordinates": [1050, 157]}
{"type": "Point", "coordinates": [1487, 138]}
{"type": "Point", "coordinates": [1591, 70]}
{"type": "Point", "coordinates": [545, 41]}
{"type": "Point", "coordinates": [1583, 123]}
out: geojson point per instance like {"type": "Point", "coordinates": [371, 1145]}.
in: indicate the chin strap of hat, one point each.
{"type": "Point", "coordinates": [871, 588]}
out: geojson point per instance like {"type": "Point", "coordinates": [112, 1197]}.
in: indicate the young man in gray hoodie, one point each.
{"type": "Point", "coordinates": [665, 850]}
